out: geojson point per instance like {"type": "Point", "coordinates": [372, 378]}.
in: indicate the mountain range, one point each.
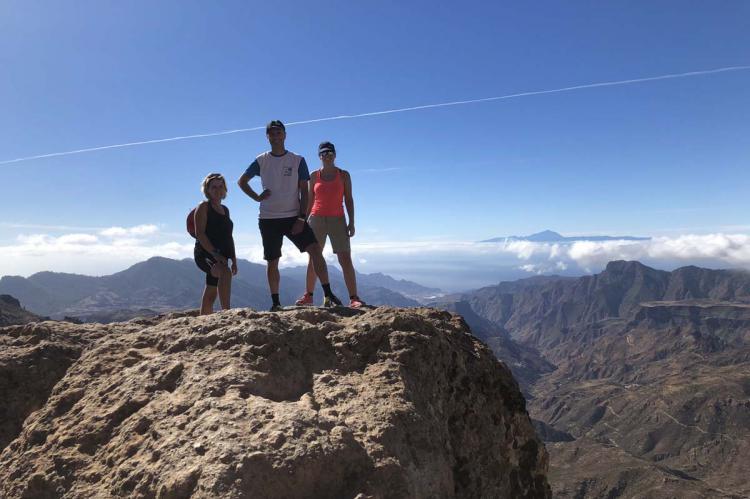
{"type": "Point", "coordinates": [549, 236]}
{"type": "Point", "coordinates": [638, 378]}
{"type": "Point", "coordinates": [162, 284]}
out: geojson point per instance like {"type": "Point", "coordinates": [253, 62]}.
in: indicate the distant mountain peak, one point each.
{"type": "Point", "coordinates": [629, 267]}
{"type": "Point", "coordinates": [546, 235]}
{"type": "Point", "coordinates": [619, 265]}
{"type": "Point", "coordinates": [547, 232]}
{"type": "Point", "coordinates": [550, 236]}
{"type": "Point", "coordinates": [158, 259]}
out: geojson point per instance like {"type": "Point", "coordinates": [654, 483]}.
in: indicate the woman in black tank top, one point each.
{"type": "Point", "coordinates": [214, 245]}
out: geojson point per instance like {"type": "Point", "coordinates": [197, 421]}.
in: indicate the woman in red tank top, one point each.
{"type": "Point", "coordinates": [330, 188]}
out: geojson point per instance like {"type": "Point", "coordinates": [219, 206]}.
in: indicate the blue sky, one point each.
{"type": "Point", "coordinates": [666, 158]}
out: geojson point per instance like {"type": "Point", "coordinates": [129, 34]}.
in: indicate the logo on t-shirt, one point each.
{"type": "Point", "coordinates": [287, 171]}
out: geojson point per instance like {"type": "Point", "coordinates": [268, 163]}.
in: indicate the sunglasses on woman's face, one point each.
{"type": "Point", "coordinates": [327, 153]}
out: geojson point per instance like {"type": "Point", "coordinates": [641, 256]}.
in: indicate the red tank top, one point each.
{"type": "Point", "coordinates": [329, 196]}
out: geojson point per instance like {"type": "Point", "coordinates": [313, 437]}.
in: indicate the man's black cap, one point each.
{"type": "Point", "coordinates": [326, 146]}
{"type": "Point", "coordinates": [275, 124]}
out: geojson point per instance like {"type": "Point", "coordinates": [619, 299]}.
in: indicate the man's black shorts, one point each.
{"type": "Point", "coordinates": [273, 230]}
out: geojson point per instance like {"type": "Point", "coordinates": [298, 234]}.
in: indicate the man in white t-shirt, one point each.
{"type": "Point", "coordinates": [283, 202]}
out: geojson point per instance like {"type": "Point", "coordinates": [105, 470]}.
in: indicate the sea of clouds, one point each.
{"type": "Point", "coordinates": [447, 264]}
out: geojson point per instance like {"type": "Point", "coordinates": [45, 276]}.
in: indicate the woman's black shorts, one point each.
{"type": "Point", "coordinates": [273, 230]}
{"type": "Point", "coordinates": [205, 260]}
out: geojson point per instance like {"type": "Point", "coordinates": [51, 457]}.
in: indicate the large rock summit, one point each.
{"type": "Point", "coordinates": [384, 403]}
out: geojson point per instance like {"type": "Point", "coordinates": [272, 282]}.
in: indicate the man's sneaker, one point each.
{"type": "Point", "coordinates": [355, 302]}
{"type": "Point", "coordinates": [331, 301]}
{"type": "Point", "coordinates": [304, 300]}
{"type": "Point", "coordinates": [276, 308]}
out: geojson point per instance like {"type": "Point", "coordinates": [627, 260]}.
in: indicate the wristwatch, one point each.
{"type": "Point", "coordinates": [302, 217]}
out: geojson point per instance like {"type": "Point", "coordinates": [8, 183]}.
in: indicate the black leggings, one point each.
{"type": "Point", "coordinates": [205, 260]}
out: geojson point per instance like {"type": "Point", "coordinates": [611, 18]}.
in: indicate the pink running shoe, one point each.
{"type": "Point", "coordinates": [304, 300]}
{"type": "Point", "coordinates": [355, 302]}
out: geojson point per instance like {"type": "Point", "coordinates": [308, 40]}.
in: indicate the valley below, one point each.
{"type": "Point", "coordinates": [641, 381]}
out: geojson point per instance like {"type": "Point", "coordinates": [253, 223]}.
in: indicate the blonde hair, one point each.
{"type": "Point", "coordinates": [207, 181]}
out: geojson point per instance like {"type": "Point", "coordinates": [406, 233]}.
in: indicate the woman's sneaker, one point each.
{"type": "Point", "coordinates": [276, 308]}
{"type": "Point", "coordinates": [304, 300]}
{"type": "Point", "coordinates": [355, 302]}
{"type": "Point", "coordinates": [331, 301]}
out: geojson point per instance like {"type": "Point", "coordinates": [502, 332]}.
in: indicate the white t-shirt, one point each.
{"type": "Point", "coordinates": [281, 175]}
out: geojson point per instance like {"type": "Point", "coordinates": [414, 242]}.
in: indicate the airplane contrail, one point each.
{"type": "Point", "coordinates": [388, 111]}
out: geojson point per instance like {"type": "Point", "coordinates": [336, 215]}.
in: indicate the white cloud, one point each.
{"type": "Point", "coordinates": [460, 265]}
{"type": "Point", "coordinates": [49, 227]}
{"type": "Point", "coordinates": [33, 239]}
{"type": "Point", "coordinates": [598, 253]}
{"type": "Point", "coordinates": [291, 256]}
{"type": "Point", "coordinates": [544, 267]}
{"type": "Point", "coordinates": [530, 267]}
{"type": "Point", "coordinates": [110, 251]}
{"type": "Point", "coordinates": [138, 230]}
{"type": "Point", "coordinates": [443, 263]}
{"type": "Point", "coordinates": [729, 249]}
{"type": "Point", "coordinates": [78, 239]}
{"type": "Point", "coordinates": [732, 248]}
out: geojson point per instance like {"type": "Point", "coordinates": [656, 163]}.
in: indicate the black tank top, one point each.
{"type": "Point", "coordinates": [219, 231]}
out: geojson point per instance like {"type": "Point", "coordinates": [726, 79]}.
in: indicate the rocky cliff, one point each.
{"type": "Point", "coordinates": [649, 395]}
{"type": "Point", "coordinates": [540, 311]}
{"type": "Point", "coordinates": [385, 403]}
{"type": "Point", "coordinates": [11, 312]}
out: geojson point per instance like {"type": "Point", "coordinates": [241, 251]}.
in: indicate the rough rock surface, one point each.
{"type": "Point", "coordinates": [33, 358]}
{"type": "Point", "coordinates": [385, 403]}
